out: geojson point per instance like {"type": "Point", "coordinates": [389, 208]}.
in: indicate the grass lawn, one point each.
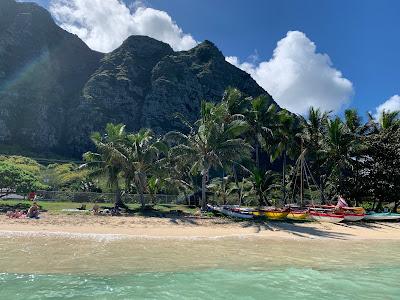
{"type": "Point", "coordinates": [57, 207]}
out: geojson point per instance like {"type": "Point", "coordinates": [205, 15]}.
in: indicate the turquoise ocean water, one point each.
{"type": "Point", "coordinates": [55, 268]}
{"type": "Point", "coordinates": [291, 283]}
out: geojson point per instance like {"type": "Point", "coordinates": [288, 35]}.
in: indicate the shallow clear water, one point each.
{"type": "Point", "coordinates": [65, 268]}
{"type": "Point", "coordinates": [291, 283]}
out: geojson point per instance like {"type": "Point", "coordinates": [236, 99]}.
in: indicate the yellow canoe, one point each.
{"type": "Point", "coordinates": [357, 210]}
{"type": "Point", "coordinates": [257, 213]}
{"type": "Point", "coordinates": [298, 216]}
{"type": "Point", "coordinates": [276, 215]}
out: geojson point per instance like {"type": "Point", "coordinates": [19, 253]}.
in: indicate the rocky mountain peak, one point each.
{"type": "Point", "coordinates": [207, 51]}
{"type": "Point", "coordinates": [55, 91]}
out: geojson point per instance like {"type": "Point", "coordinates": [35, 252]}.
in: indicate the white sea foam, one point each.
{"type": "Point", "coordinates": [109, 237]}
{"type": "Point", "coordinates": [101, 237]}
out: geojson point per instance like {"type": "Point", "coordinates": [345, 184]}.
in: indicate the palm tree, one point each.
{"type": "Point", "coordinates": [339, 146]}
{"type": "Point", "coordinates": [357, 131]}
{"type": "Point", "coordinates": [236, 102]}
{"type": "Point", "coordinates": [141, 151]}
{"type": "Point", "coordinates": [314, 129]}
{"type": "Point", "coordinates": [389, 120]}
{"type": "Point", "coordinates": [107, 161]}
{"type": "Point", "coordinates": [223, 187]}
{"type": "Point", "coordinates": [213, 142]}
{"type": "Point", "coordinates": [312, 138]}
{"type": "Point", "coordinates": [178, 176]}
{"type": "Point", "coordinates": [263, 183]}
{"type": "Point", "coordinates": [154, 185]}
{"type": "Point", "coordinates": [353, 121]}
{"type": "Point", "coordinates": [262, 120]}
{"type": "Point", "coordinates": [286, 143]}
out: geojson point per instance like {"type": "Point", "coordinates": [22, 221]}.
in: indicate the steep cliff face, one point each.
{"type": "Point", "coordinates": [42, 72]}
{"type": "Point", "coordinates": [118, 88]}
{"type": "Point", "coordinates": [55, 91]}
{"type": "Point", "coordinates": [182, 80]}
{"type": "Point", "coordinates": [145, 84]}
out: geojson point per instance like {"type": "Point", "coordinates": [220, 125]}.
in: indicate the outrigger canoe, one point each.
{"type": "Point", "coordinates": [276, 214]}
{"type": "Point", "coordinates": [353, 214]}
{"type": "Point", "coordinates": [233, 212]}
{"type": "Point", "coordinates": [382, 216]}
{"type": "Point", "coordinates": [298, 214]}
{"type": "Point", "coordinates": [326, 215]}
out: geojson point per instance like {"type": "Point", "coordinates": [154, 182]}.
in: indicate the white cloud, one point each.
{"type": "Point", "coordinates": [298, 77]}
{"type": "Point", "coordinates": [392, 104]}
{"type": "Point", "coordinates": [105, 24]}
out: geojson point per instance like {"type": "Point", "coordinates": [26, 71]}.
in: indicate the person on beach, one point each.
{"type": "Point", "coordinates": [33, 211]}
{"type": "Point", "coordinates": [16, 214]}
{"type": "Point", "coordinates": [96, 209]}
{"type": "Point", "coordinates": [32, 196]}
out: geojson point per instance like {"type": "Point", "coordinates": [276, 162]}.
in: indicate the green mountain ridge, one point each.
{"type": "Point", "coordinates": [54, 90]}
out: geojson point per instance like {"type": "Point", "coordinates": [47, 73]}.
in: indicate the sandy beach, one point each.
{"type": "Point", "coordinates": [196, 227]}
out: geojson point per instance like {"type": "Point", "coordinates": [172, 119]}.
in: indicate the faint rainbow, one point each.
{"type": "Point", "coordinates": [24, 72]}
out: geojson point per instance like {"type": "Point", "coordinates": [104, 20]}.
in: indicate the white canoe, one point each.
{"type": "Point", "coordinates": [229, 212]}
{"type": "Point", "coordinates": [349, 217]}
{"type": "Point", "coordinates": [382, 216]}
{"type": "Point", "coordinates": [326, 217]}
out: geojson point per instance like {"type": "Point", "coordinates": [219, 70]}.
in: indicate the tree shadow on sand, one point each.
{"type": "Point", "coordinates": [296, 229]}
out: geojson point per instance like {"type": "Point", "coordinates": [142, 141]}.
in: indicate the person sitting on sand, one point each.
{"type": "Point", "coordinates": [15, 214]}
{"type": "Point", "coordinates": [115, 211]}
{"type": "Point", "coordinates": [96, 209]}
{"type": "Point", "coordinates": [33, 211]}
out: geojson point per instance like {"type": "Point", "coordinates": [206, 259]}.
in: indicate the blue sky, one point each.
{"type": "Point", "coordinates": [361, 38]}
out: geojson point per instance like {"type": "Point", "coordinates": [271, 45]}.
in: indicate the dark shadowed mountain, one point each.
{"type": "Point", "coordinates": [54, 90]}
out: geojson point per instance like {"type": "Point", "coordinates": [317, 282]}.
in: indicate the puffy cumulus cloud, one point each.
{"type": "Point", "coordinates": [298, 77]}
{"type": "Point", "coordinates": [392, 104]}
{"type": "Point", "coordinates": [105, 24]}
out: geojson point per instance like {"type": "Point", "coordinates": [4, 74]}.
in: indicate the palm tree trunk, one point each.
{"type": "Point", "coordinates": [260, 198]}
{"type": "Point", "coordinates": [239, 190]}
{"type": "Point", "coordinates": [141, 195]}
{"type": "Point", "coordinates": [187, 200]}
{"type": "Point", "coordinates": [118, 199]}
{"type": "Point", "coordinates": [142, 200]}
{"type": "Point", "coordinates": [356, 183]}
{"type": "Point", "coordinates": [322, 187]}
{"type": "Point", "coordinates": [379, 206]}
{"type": "Point", "coordinates": [204, 189]}
{"type": "Point", "coordinates": [284, 177]}
{"type": "Point", "coordinates": [140, 184]}
{"type": "Point", "coordinates": [396, 206]}
{"type": "Point", "coordinates": [257, 156]}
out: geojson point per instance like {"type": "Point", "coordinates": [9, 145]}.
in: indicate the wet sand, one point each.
{"type": "Point", "coordinates": [194, 227]}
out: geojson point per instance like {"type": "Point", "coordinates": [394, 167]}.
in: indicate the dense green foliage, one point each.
{"type": "Point", "coordinates": [236, 146]}
{"type": "Point", "coordinates": [17, 180]}
{"type": "Point", "coordinates": [241, 150]}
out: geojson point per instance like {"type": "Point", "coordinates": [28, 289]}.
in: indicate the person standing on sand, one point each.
{"type": "Point", "coordinates": [32, 196]}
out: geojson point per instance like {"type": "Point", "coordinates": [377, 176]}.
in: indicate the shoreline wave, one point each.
{"type": "Point", "coordinates": [110, 237]}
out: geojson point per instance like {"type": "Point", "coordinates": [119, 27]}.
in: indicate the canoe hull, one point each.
{"type": "Point", "coordinates": [298, 215]}
{"type": "Point", "coordinates": [326, 217]}
{"type": "Point", "coordinates": [230, 213]}
{"type": "Point", "coordinates": [382, 217]}
{"type": "Point", "coordinates": [353, 217]}
{"type": "Point", "coordinates": [276, 215]}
